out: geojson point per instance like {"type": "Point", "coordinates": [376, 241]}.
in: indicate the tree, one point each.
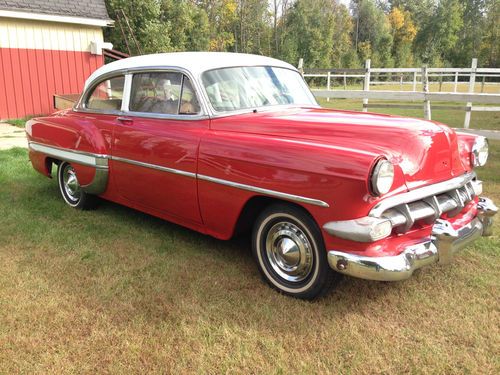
{"type": "Point", "coordinates": [152, 33]}
{"type": "Point", "coordinates": [471, 33]}
{"type": "Point", "coordinates": [420, 10]}
{"type": "Point", "coordinates": [253, 31]}
{"type": "Point", "coordinates": [403, 34]}
{"type": "Point", "coordinates": [490, 46]}
{"type": "Point", "coordinates": [440, 33]}
{"type": "Point", "coordinates": [190, 23]}
{"type": "Point", "coordinates": [373, 33]}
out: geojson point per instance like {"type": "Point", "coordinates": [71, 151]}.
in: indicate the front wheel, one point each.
{"type": "Point", "coordinates": [71, 190]}
{"type": "Point", "coordinates": [290, 252]}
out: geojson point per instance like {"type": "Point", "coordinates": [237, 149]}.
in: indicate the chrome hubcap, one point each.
{"type": "Point", "coordinates": [289, 251]}
{"type": "Point", "coordinates": [71, 185]}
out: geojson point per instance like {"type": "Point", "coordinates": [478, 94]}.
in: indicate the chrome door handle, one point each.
{"type": "Point", "coordinates": [127, 120]}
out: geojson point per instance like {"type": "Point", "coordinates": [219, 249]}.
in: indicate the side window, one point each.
{"type": "Point", "coordinates": [156, 93]}
{"type": "Point", "coordinates": [107, 95]}
{"type": "Point", "coordinates": [189, 102]}
{"type": "Point", "coordinates": [163, 92]}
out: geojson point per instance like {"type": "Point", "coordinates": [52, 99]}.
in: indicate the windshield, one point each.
{"type": "Point", "coordinates": [231, 89]}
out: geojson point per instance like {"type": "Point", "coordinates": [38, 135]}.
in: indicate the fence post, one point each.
{"type": "Point", "coordinates": [345, 81]}
{"type": "Point", "coordinates": [427, 103]}
{"type": "Point", "coordinates": [300, 67]}
{"type": "Point", "coordinates": [415, 80]}
{"type": "Point", "coordinates": [366, 84]}
{"type": "Point", "coordinates": [328, 84]}
{"type": "Point", "coordinates": [456, 82]}
{"type": "Point", "coordinates": [472, 83]}
{"type": "Point", "coordinates": [482, 83]}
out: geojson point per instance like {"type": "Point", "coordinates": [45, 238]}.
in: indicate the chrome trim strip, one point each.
{"type": "Point", "coordinates": [97, 161]}
{"type": "Point", "coordinates": [89, 87]}
{"type": "Point", "coordinates": [98, 184]}
{"type": "Point", "coordinates": [421, 193]}
{"type": "Point", "coordinates": [273, 193]}
{"type": "Point", "coordinates": [154, 166]}
{"type": "Point", "coordinates": [80, 157]}
{"type": "Point", "coordinates": [100, 162]}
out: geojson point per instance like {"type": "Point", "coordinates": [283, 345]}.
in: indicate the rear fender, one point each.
{"type": "Point", "coordinates": [72, 138]}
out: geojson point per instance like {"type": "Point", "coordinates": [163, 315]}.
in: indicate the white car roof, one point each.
{"type": "Point", "coordinates": [194, 62]}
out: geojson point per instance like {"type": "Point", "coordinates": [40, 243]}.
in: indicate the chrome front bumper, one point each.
{"type": "Point", "coordinates": [440, 247]}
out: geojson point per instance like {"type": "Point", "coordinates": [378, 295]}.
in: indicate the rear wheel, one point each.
{"type": "Point", "coordinates": [71, 190]}
{"type": "Point", "coordinates": [290, 252]}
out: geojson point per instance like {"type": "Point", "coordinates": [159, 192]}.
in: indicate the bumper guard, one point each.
{"type": "Point", "coordinates": [440, 247]}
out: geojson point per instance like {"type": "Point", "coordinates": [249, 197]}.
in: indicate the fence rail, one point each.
{"type": "Point", "coordinates": [419, 76]}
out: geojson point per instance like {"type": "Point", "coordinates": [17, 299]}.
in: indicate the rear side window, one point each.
{"type": "Point", "coordinates": [164, 93]}
{"type": "Point", "coordinates": [107, 95]}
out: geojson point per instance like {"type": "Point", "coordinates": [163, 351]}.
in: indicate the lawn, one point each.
{"type": "Point", "coordinates": [117, 291]}
{"type": "Point", "coordinates": [453, 118]}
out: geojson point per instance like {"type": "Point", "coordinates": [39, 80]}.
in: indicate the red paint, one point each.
{"type": "Point", "coordinates": [317, 153]}
{"type": "Point", "coordinates": [29, 78]}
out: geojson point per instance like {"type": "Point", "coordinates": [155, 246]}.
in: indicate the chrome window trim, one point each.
{"type": "Point", "coordinates": [80, 104]}
{"type": "Point", "coordinates": [126, 93]}
{"type": "Point", "coordinates": [100, 162]}
{"type": "Point", "coordinates": [204, 112]}
{"type": "Point", "coordinates": [195, 116]}
{"type": "Point", "coordinates": [206, 109]}
{"type": "Point", "coordinates": [421, 193]}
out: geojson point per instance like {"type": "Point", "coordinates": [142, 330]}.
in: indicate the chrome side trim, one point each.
{"type": "Point", "coordinates": [154, 166]}
{"type": "Point", "coordinates": [100, 162]}
{"type": "Point", "coordinates": [98, 184]}
{"type": "Point", "coordinates": [273, 193]}
{"type": "Point", "coordinates": [421, 193]}
{"type": "Point", "coordinates": [80, 157]}
{"type": "Point", "coordinates": [97, 161]}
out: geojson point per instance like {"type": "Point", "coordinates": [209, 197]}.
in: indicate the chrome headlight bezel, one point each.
{"type": "Point", "coordinates": [382, 177]}
{"type": "Point", "coordinates": [479, 153]}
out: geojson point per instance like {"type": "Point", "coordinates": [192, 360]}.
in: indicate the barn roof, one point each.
{"type": "Point", "coordinates": [93, 9]}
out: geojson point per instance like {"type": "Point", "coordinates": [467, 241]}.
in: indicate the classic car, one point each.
{"type": "Point", "coordinates": [226, 143]}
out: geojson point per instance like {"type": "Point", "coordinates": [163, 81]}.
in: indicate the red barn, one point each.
{"type": "Point", "coordinates": [47, 47]}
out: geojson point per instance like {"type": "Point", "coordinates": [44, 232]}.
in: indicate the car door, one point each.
{"type": "Point", "coordinates": [155, 144]}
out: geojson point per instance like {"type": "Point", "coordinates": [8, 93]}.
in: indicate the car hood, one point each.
{"type": "Point", "coordinates": [425, 151]}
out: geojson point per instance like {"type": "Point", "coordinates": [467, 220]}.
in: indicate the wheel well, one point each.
{"type": "Point", "coordinates": [253, 207]}
{"type": "Point", "coordinates": [48, 165]}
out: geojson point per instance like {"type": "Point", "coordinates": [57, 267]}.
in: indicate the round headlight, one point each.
{"type": "Point", "coordinates": [382, 177]}
{"type": "Point", "coordinates": [479, 152]}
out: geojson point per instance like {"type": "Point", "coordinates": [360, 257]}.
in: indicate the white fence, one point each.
{"type": "Point", "coordinates": [418, 76]}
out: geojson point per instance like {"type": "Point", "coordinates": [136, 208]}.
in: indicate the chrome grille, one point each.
{"type": "Point", "coordinates": [430, 208]}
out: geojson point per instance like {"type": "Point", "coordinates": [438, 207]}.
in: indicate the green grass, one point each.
{"type": "Point", "coordinates": [20, 122]}
{"type": "Point", "coordinates": [117, 291]}
{"type": "Point", "coordinates": [453, 118]}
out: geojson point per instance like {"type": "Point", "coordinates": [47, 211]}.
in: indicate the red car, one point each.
{"type": "Point", "coordinates": [223, 143]}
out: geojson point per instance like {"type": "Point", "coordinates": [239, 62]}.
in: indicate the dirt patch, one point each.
{"type": "Point", "coordinates": [12, 136]}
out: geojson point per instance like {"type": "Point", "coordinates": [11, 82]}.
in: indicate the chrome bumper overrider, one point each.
{"type": "Point", "coordinates": [440, 247]}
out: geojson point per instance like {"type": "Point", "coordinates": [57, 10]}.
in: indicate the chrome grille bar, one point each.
{"type": "Point", "coordinates": [452, 202]}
